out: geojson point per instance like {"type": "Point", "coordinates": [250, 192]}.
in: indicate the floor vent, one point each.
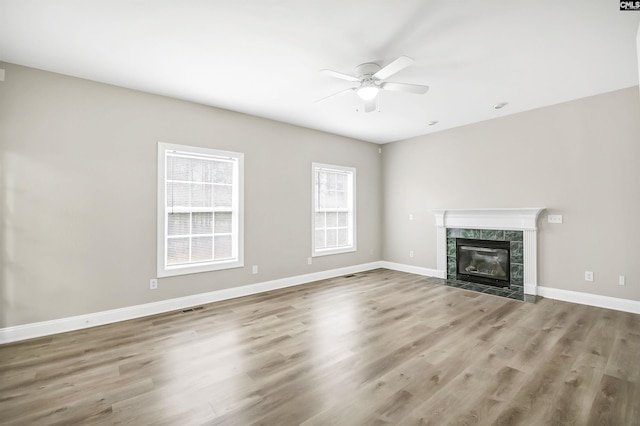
{"type": "Point", "coordinates": [184, 311]}
{"type": "Point", "coordinates": [349, 276]}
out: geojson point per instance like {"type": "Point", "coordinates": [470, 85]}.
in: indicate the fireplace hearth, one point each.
{"type": "Point", "coordinates": [483, 261]}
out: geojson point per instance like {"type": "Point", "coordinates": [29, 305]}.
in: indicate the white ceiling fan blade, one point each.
{"type": "Point", "coordinates": [336, 94]}
{"type": "Point", "coordinates": [341, 75]}
{"type": "Point", "coordinates": [399, 64]}
{"type": "Point", "coordinates": [371, 105]}
{"type": "Point", "coordinates": [404, 87]}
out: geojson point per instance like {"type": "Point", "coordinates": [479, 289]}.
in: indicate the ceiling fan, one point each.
{"type": "Point", "coordinates": [370, 78]}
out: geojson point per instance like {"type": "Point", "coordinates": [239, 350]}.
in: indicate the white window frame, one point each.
{"type": "Point", "coordinates": [351, 171]}
{"type": "Point", "coordinates": [237, 260]}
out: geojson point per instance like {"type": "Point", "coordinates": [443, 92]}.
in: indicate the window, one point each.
{"type": "Point", "coordinates": [200, 209]}
{"type": "Point", "coordinates": [333, 209]}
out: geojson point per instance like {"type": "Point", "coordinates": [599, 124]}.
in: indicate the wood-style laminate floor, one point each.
{"type": "Point", "coordinates": [380, 347]}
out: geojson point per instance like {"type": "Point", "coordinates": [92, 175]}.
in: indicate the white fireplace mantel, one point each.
{"type": "Point", "coordinates": [517, 219]}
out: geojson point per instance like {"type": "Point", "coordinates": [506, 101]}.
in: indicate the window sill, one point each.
{"type": "Point", "coordinates": [210, 267]}
{"type": "Point", "coordinates": [329, 252]}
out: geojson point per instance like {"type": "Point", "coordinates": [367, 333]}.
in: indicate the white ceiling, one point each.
{"type": "Point", "coordinates": [263, 57]}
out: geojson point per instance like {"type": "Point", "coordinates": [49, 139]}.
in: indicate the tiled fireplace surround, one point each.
{"type": "Point", "coordinates": [515, 225]}
{"type": "Point", "coordinates": [515, 249]}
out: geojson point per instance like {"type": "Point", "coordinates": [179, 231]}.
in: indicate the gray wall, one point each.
{"type": "Point", "coordinates": [79, 195]}
{"type": "Point", "coordinates": [580, 159]}
{"type": "Point", "coordinates": [78, 198]}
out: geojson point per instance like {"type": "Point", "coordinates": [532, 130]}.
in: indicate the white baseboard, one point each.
{"type": "Point", "coordinates": [625, 305]}
{"type": "Point", "coordinates": [46, 328]}
{"type": "Point", "coordinates": [418, 270]}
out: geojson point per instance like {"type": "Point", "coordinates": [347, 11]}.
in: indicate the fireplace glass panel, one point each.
{"type": "Point", "coordinates": [483, 261]}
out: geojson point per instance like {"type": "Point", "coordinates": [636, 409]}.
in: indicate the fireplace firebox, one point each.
{"type": "Point", "coordinates": [483, 261]}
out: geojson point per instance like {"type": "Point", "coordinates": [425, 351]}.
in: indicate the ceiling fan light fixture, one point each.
{"type": "Point", "coordinates": [367, 92]}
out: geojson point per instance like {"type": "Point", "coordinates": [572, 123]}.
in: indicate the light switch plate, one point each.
{"type": "Point", "coordinates": [554, 218]}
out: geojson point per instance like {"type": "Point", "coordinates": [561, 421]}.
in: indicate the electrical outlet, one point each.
{"type": "Point", "coordinates": [621, 280]}
{"type": "Point", "coordinates": [309, 261]}
{"type": "Point", "coordinates": [153, 284]}
{"type": "Point", "coordinates": [588, 276]}
{"type": "Point", "coordinates": [410, 253]}
{"type": "Point", "coordinates": [254, 269]}
{"type": "Point", "coordinates": [410, 216]}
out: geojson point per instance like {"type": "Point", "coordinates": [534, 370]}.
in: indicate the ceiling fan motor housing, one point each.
{"type": "Point", "coordinates": [366, 71]}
